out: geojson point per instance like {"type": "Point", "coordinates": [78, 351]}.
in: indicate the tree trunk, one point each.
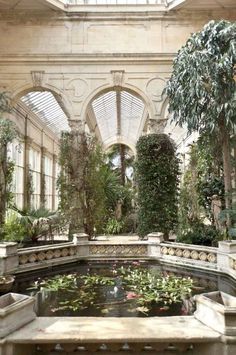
{"type": "Point", "coordinates": [225, 137]}
{"type": "Point", "coordinates": [122, 164]}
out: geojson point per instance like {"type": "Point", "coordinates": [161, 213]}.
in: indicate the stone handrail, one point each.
{"type": "Point", "coordinates": [191, 252]}
{"type": "Point", "coordinates": [44, 253]}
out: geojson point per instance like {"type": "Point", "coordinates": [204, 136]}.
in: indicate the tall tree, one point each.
{"type": "Point", "coordinates": [202, 89]}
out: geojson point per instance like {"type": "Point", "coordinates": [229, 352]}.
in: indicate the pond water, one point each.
{"type": "Point", "coordinates": [103, 290]}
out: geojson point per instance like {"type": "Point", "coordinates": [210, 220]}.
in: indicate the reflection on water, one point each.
{"type": "Point", "coordinates": [113, 300]}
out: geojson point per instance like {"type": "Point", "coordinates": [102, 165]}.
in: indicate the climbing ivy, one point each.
{"type": "Point", "coordinates": [8, 132]}
{"type": "Point", "coordinates": [157, 175]}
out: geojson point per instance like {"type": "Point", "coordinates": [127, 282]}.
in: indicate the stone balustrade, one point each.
{"type": "Point", "coordinates": [40, 256]}
{"type": "Point", "coordinates": [222, 259]}
{"type": "Point", "coordinates": [189, 252]}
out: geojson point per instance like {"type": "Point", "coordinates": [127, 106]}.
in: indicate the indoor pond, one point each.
{"type": "Point", "coordinates": [124, 289]}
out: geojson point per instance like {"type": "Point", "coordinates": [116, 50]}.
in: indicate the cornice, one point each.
{"type": "Point", "coordinates": [87, 58]}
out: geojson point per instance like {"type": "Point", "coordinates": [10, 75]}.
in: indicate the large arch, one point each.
{"type": "Point", "coordinates": [59, 95]}
{"type": "Point", "coordinates": [100, 91]}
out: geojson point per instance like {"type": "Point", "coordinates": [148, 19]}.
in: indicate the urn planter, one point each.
{"type": "Point", "coordinates": [15, 311]}
{"type": "Point", "coordinates": [218, 311]}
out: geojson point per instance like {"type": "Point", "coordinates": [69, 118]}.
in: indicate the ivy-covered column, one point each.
{"type": "Point", "coordinates": [27, 174]}
{"type": "Point", "coordinates": [7, 133]}
{"type": "Point", "coordinates": [73, 152]}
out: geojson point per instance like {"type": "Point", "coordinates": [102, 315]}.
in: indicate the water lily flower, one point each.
{"type": "Point", "coordinates": [131, 295]}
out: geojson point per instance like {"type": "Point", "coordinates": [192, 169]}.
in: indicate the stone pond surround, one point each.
{"type": "Point", "coordinates": [211, 330]}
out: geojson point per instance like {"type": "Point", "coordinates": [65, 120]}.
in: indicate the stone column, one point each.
{"type": "Point", "coordinates": [9, 260]}
{"type": "Point", "coordinates": [225, 249]}
{"type": "Point", "coordinates": [42, 176]}
{"type": "Point", "coordinates": [27, 182]}
{"type": "Point", "coordinates": [154, 244]}
{"type": "Point", "coordinates": [76, 175]}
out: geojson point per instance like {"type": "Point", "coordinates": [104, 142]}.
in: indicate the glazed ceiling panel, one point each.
{"type": "Point", "coordinates": [46, 107]}
{"type": "Point", "coordinates": [118, 114]}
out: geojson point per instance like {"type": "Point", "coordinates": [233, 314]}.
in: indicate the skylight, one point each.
{"type": "Point", "coordinates": [46, 107]}
{"type": "Point", "coordinates": [118, 114]}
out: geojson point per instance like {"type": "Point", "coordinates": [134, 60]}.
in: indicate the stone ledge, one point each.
{"type": "Point", "coordinates": [98, 330]}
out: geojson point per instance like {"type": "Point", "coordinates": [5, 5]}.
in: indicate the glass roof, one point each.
{"type": "Point", "coordinates": [46, 107]}
{"type": "Point", "coordinates": [118, 115]}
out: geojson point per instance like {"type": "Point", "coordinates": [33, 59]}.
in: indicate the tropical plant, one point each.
{"type": "Point", "coordinates": [113, 226]}
{"type": "Point", "coordinates": [157, 176]}
{"type": "Point", "coordinates": [37, 222]}
{"type": "Point", "coordinates": [201, 90]}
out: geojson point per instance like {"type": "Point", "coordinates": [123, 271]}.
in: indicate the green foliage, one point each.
{"type": "Point", "coordinates": [37, 222]}
{"type": "Point", "coordinates": [201, 181]}
{"type": "Point", "coordinates": [113, 226]}
{"type": "Point", "coordinates": [156, 288]}
{"type": "Point", "coordinates": [200, 234]}
{"type": "Point", "coordinates": [157, 172]}
{"type": "Point", "coordinates": [202, 85]}
{"type": "Point", "coordinates": [89, 188]}
{"type": "Point", "coordinates": [146, 287]}
{"type": "Point", "coordinates": [8, 132]}
{"type": "Point", "coordinates": [202, 88]}
{"type": "Point", "coordinates": [13, 230]}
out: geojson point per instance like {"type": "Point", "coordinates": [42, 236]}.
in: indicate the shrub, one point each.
{"type": "Point", "coordinates": [157, 174]}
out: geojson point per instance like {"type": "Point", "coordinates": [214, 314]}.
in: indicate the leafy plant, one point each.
{"type": "Point", "coordinates": [8, 132]}
{"type": "Point", "coordinates": [37, 222]}
{"type": "Point", "coordinates": [157, 175]}
{"type": "Point", "coordinates": [113, 226]}
{"type": "Point", "coordinates": [145, 287]}
{"type": "Point", "coordinates": [13, 230]}
{"type": "Point", "coordinates": [201, 90]}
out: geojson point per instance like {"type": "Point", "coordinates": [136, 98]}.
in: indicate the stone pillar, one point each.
{"type": "Point", "coordinates": [42, 176]}
{"type": "Point", "coordinates": [9, 260]}
{"type": "Point", "coordinates": [27, 182]}
{"type": "Point", "coordinates": [225, 249]}
{"type": "Point", "coordinates": [81, 240]}
{"type": "Point", "coordinates": [77, 153]}
{"type": "Point", "coordinates": [154, 246]}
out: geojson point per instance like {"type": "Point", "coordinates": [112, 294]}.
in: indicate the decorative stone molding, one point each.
{"type": "Point", "coordinates": [118, 250]}
{"type": "Point", "coordinates": [77, 125]}
{"type": "Point", "coordinates": [118, 77]}
{"type": "Point", "coordinates": [156, 126]}
{"type": "Point", "coordinates": [37, 77]}
{"type": "Point", "coordinates": [42, 255]}
{"type": "Point", "coordinates": [189, 253]}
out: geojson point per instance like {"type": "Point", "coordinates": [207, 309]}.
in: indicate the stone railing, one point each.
{"type": "Point", "coordinates": [111, 250]}
{"type": "Point", "coordinates": [222, 259]}
{"type": "Point", "coordinates": [189, 252]}
{"type": "Point", "coordinates": [40, 256]}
